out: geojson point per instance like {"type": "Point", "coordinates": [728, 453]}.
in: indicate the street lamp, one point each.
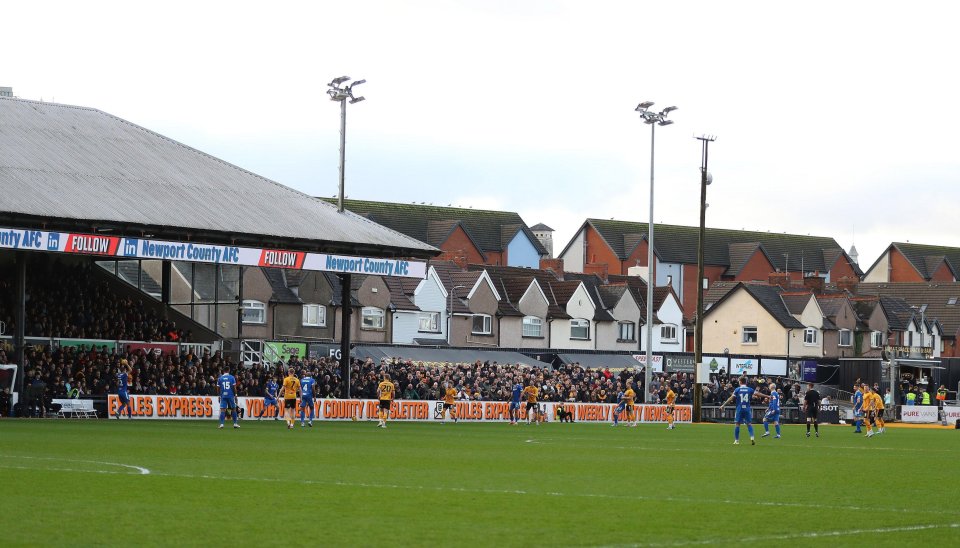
{"type": "Point", "coordinates": [653, 119]}
{"type": "Point", "coordinates": [450, 314]}
{"type": "Point", "coordinates": [705, 179]}
{"type": "Point", "coordinates": [343, 93]}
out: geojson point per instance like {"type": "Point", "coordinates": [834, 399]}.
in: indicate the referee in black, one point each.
{"type": "Point", "coordinates": [811, 407]}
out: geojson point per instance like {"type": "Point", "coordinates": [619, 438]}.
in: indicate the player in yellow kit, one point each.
{"type": "Point", "coordinates": [449, 403]}
{"type": "Point", "coordinates": [629, 397]}
{"type": "Point", "coordinates": [878, 399]}
{"type": "Point", "coordinates": [385, 392]}
{"type": "Point", "coordinates": [530, 394]}
{"type": "Point", "coordinates": [671, 400]}
{"type": "Point", "coordinates": [869, 409]}
{"type": "Point", "coordinates": [291, 389]}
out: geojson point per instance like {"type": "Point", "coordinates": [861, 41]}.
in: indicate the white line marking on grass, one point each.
{"type": "Point", "coordinates": [140, 470]}
{"type": "Point", "coordinates": [797, 536]}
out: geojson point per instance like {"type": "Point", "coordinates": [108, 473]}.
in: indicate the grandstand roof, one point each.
{"type": "Point", "coordinates": [74, 168]}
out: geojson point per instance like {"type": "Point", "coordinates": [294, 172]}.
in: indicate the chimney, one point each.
{"type": "Point", "coordinates": [600, 269]}
{"type": "Point", "coordinates": [457, 257]}
{"type": "Point", "coordinates": [815, 284]}
{"type": "Point", "coordinates": [552, 265]}
{"type": "Point", "coordinates": [848, 283]}
{"type": "Point", "coordinates": [781, 279]}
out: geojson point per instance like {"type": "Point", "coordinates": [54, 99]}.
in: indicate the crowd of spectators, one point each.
{"type": "Point", "coordinates": [68, 371]}
{"type": "Point", "coordinates": [69, 301]}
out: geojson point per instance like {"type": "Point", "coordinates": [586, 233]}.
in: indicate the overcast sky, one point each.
{"type": "Point", "coordinates": [831, 117]}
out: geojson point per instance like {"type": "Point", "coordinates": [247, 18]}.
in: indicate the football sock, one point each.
{"type": "Point", "coordinates": [808, 428]}
{"type": "Point", "coordinates": [766, 427]}
{"type": "Point", "coordinates": [816, 427]}
{"type": "Point", "coordinates": [311, 413]}
{"type": "Point", "coordinates": [750, 429]}
{"type": "Point", "coordinates": [736, 432]}
{"type": "Point", "coordinates": [778, 428]}
{"type": "Point", "coordinates": [223, 414]}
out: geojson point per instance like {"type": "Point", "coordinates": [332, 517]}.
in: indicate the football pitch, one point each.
{"type": "Point", "coordinates": [68, 482]}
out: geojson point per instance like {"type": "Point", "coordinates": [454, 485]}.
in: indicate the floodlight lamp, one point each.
{"type": "Point", "coordinates": [340, 80]}
{"type": "Point", "coordinates": [358, 82]}
{"type": "Point", "coordinates": [665, 122]}
{"type": "Point", "coordinates": [709, 178]}
{"type": "Point", "coordinates": [645, 105]}
{"type": "Point", "coordinates": [668, 110]}
{"type": "Point", "coordinates": [356, 100]}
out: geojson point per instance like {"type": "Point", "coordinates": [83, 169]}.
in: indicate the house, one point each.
{"type": "Point", "coordinates": [753, 319]}
{"type": "Point", "coordinates": [845, 335]}
{"type": "Point", "coordinates": [615, 247]}
{"type": "Point", "coordinates": [910, 305]}
{"type": "Point", "coordinates": [420, 309]}
{"type": "Point", "coordinates": [905, 262]}
{"type": "Point", "coordinates": [473, 306]}
{"type": "Point", "coordinates": [468, 236]}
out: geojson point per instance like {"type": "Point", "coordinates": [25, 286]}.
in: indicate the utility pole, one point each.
{"type": "Point", "coordinates": [705, 179]}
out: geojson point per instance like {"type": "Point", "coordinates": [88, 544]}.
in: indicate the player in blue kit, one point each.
{"type": "Point", "coordinates": [123, 389]}
{"type": "Point", "coordinates": [270, 399]}
{"type": "Point", "coordinates": [227, 385]}
{"type": "Point", "coordinates": [857, 408]}
{"type": "Point", "coordinates": [621, 404]}
{"type": "Point", "coordinates": [743, 395]}
{"type": "Point", "coordinates": [773, 412]}
{"type": "Point", "coordinates": [515, 398]}
{"type": "Point", "coordinates": [306, 396]}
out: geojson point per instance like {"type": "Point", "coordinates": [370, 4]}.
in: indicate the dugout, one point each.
{"type": "Point", "coordinates": [80, 181]}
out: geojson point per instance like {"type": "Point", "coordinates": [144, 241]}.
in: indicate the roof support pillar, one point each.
{"type": "Point", "coordinates": [20, 315]}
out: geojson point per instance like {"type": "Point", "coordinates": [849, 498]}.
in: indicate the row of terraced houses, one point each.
{"type": "Point", "coordinates": [496, 284]}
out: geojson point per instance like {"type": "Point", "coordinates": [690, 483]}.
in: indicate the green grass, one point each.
{"type": "Point", "coordinates": [351, 484]}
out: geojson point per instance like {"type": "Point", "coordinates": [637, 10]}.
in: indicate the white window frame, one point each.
{"type": "Point", "coordinates": [532, 327]}
{"type": "Point", "coordinates": [877, 339]}
{"type": "Point", "coordinates": [251, 306]}
{"type": "Point", "coordinates": [372, 317]}
{"type": "Point", "coordinates": [667, 338]}
{"type": "Point", "coordinates": [632, 331]}
{"type": "Point", "coordinates": [810, 336]}
{"type": "Point", "coordinates": [579, 323]}
{"type": "Point", "coordinates": [748, 330]}
{"type": "Point", "coordinates": [314, 315]}
{"type": "Point", "coordinates": [428, 322]}
{"type": "Point", "coordinates": [849, 336]}
{"type": "Point", "coordinates": [486, 327]}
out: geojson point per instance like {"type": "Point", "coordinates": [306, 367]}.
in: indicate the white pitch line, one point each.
{"type": "Point", "coordinates": [140, 470]}
{"type": "Point", "coordinates": [797, 536]}
{"type": "Point", "coordinates": [365, 485]}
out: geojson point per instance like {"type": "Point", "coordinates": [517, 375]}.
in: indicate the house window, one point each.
{"type": "Point", "coordinates": [846, 337]}
{"type": "Point", "coordinates": [580, 329]}
{"type": "Point", "coordinates": [810, 335]}
{"type": "Point", "coordinates": [749, 335]}
{"type": "Point", "coordinates": [482, 324]}
{"type": "Point", "coordinates": [668, 333]}
{"type": "Point", "coordinates": [628, 331]}
{"type": "Point", "coordinates": [876, 339]}
{"type": "Point", "coordinates": [254, 312]}
{"type": "Point", "coordinates": [314, 315]}
{"type": "Point", "coordinates": [371, 318]}
{"type": "Point", "coordinates": [430, 322]}
{"type": "Point", "coordinates": [532, 326]}
{"type": "Point", "coordinates": [952, 301]}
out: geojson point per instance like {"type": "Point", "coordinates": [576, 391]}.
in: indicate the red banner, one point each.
{"type": "Point", "coordinates": [89, 244]}
{"type": "Point", "coordinates": [275, 258]}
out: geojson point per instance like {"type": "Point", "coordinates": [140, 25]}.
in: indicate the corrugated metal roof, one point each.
{"type": "Point", "coordinates": [84, 165]}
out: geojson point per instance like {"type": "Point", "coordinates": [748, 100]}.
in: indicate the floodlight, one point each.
{"type": "Point", "coordinates": [356, 100]}
{"type": "Point", "coordinates": [668, 110]}
{"type": "Point", "coordinates": [644, 105]}
{"type": "Point", "coordinates": [340, 80]}
{"type": "Point", "coordinates": [665, 122]}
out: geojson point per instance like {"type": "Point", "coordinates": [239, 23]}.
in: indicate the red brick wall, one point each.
{"type": "Point", "coordinates": [711, 273]}
{"type": "Point", "coordinates": [902, 270]}
{"type": "Point", "coordinates": [599, 252]}
{"type": "Point", "coordinates": [942, 274]}
{"type": "Point", "coordinates": [460, 244]}
{"type": "Point", "coordinates": [758, 268]}
{"type": "Point", "coordinates": [638, 257]}
{"type": "Point", "coordinates": [842, 269]}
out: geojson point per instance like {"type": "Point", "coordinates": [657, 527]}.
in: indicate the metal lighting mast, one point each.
{"type": "Point", "coordinates": [653, 119]}
{"type": "Point", "coordinates": [343, 93]}
{"type": "Point", "coordinates": [705, 179]}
